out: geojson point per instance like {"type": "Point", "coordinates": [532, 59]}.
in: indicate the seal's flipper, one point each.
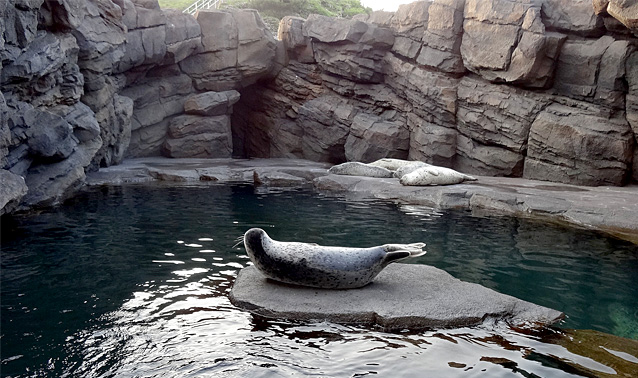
{"type": "Point", "coordinates": [395, 256]}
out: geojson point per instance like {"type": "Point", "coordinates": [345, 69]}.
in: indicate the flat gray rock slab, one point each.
{"type": "Point", "coordinates": [403, 296]}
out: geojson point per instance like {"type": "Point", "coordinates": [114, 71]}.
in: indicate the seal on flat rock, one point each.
{"type": "Point", "coordinates": [392, 164]}
{"type": "Point", "coordinates": [353, 168]}
{"type": "Point", "coordinates": [408, 168]}
{"type": "Point", "coordinates": [314, 265]}
{"type": "Point", "coordinates": [434, 175]}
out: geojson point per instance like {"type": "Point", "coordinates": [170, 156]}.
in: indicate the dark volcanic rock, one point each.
{"type": "Point", "coordinates": [403, 296]}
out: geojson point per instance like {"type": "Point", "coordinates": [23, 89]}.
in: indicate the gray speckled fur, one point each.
{"type": "Point", "coordinates": [319, 266]}
{"type": "Point", "coordinates": [392, 164]}
{"type": "Point", "coordinates": [409, 168]}
{"type": "Point", "coordinates": [354, 168]}
{"type": "Point", "coordinates": [434, 175]}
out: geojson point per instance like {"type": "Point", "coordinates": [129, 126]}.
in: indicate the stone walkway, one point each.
{"type": "Point", "coordinates": [613, 210]}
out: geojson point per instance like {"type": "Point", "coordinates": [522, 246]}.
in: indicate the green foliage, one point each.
{"type": "Point", "coordinates": [274, 10]}
{"type": "Point", "coordinates": [175, 4]}
{"type": "Point", "coordinates": [301, 8]}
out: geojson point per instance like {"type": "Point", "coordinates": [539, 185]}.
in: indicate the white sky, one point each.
{"type": "Point", "coordinates": [387, 5]}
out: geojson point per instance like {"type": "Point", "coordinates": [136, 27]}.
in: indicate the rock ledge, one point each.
{"type": "Point", "coordinates": [403, 296]}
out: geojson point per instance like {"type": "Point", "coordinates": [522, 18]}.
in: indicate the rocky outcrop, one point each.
{"type": "Point", "coordinates": [204, 131]}
{"type": "Point", "coordinates": [474, 85]}
{"type": "Point", "coordinates": [571, 146]}
{"type": "Point", "coordinates": [86, 83]}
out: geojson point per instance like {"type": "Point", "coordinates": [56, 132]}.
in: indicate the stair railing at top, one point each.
{"type": "Point", "coordinates": [203, 4]}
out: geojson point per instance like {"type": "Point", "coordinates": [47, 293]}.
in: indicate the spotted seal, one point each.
{"type": "Point", "coordinates": [353, 168]}
{"type": "Point", "coordinates": [319, 266]}
{"type": "Point", "coordinates": [434, 175]}
{"type": "Point", "coordinates": [408, 168]}
{"type": "Point", "coordinates": [392, 164]}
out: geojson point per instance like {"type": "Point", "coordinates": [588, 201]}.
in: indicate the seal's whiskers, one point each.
{"type": "Point", "coordinates": [239, 240]}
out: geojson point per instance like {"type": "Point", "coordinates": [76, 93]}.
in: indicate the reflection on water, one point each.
{"type": "Point", "coordinates": [133, 282]}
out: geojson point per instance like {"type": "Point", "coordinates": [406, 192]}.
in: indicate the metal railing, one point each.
{"type": "Point", "coordinates": [203, 4]}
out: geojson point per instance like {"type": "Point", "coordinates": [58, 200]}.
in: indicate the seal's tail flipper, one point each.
{"type": "Point", "coordinates": [395, 256]}
{"type": "Point", "coordinates": [469, 178]}
{"type": "Point", "coordinates": [413, 250]}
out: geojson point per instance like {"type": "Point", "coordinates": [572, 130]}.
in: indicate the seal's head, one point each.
{"type": "Point", "coordinates": [252, 242]}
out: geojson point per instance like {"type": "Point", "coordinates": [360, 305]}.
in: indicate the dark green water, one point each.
{"type": "Point", "coordinates": [133, 282]}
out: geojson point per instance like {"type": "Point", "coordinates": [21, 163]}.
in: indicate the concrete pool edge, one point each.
{"type": "Point", "coordinates": [612, 210]}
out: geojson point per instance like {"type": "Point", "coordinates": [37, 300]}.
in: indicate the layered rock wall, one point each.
{"type": "Point", "coordinates": [86, 83]}
{"type": "Point", "coordinates": [542, 89]}
{"type": "Point", "coordinates": [537, 89]}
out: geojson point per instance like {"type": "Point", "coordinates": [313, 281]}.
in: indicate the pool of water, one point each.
{"type": "Point", "coordinates": [133, 281]}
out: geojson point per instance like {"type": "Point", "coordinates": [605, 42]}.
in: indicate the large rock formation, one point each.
{"type": "Point", "coordinates": [544, 89]}
{"type": "Point", "coordinates": [474, 85]}
{"type": "Point", "coordinates": [86, 83]}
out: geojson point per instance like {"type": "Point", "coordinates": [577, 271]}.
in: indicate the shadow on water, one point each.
{"type": "Point", "coordinates": [133, 281]}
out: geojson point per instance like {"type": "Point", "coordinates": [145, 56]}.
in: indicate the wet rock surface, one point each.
{"type": "Point", "coordinates": [402, 296]}
{"type": "Point", "coordinates": [609, 209]}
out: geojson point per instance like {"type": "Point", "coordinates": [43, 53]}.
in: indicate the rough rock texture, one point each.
{"type": "Point", "coordinates": [589, 149]}
{"type": "Point", "coordinates": [403, 296]}
{"type": "Point", "coordinates": [349, 48]}
{"type": "Point", "coordinates": [520, 51]}
{"type": "Point", "coordinates": [457, 83]}
{"type": "Point", "coordinates": [198, 137]}
{"type": "Point", "coordinates": [237, 50]}
{"type": "Point", "coordinates": [523, 57]}
{"type": "Point", "coordinates": [493, 123]}
{"type": "Point", "coordinates": [12, 190]}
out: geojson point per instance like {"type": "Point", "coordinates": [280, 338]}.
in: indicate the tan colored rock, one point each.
{"type": "Point", "coordinates": [573, 16]}
{"type": "Point", "coordinates": [494, 123]}
{"type": "Point", "coordinates": [625, 11]}
{"type": "Point", "coordinates": [506, 41]}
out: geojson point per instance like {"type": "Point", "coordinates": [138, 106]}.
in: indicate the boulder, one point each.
{"type": "Point", "coordinates": [12, 190]}
{"type": "Point", "coordinates": [46, 72]}
{"type": "Point", "coordinates": [191, 136]}
{"type": "Point", "coordinates": [441, 47]}
{"type": "Point", "coordinates": [211, 103]}
{"type": "Point", "coordinates": [625, 11]}
{"type": "Point", "coordinates": [431, 95]}
{"type": "Point", "coordinates": [594, 70]}
{"type": "Point", "coordinates": [572, 16]}
{"type": "Point", "coordinates": [296, 44]}
{"type": "Point", "coordinates": [233, 57]}
{"type": "Point", "coordinates": [349, 48]}
{"type": "Point", "coordinates": [506, 41]}
{"type": "Point", "coordinates": [183, 36]}
{"type": "Point", "coordinates": [573, 146]}
{"type": "Point", "coordinates": [49, 136]}
{"type": "Point", "coordinates": [494, 123]}
{"type": "Point", "coordinates": [430, 142]}
{"type": "Point", "coordinates": [372, 138]}
{"type": "Point", "coordinates": [403, 296]}
{"type": "Point", "coordinates": [325, 122]}
{"type": "Point", "coordinates": [50, 184]}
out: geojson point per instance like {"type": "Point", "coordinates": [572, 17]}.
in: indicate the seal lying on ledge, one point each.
{"type": "Point", "coordinates": [323, 267]}
{"type": "Point", "coordinates": [354, 168]}
{"type": "Point", "coordinates": [433, 175]}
